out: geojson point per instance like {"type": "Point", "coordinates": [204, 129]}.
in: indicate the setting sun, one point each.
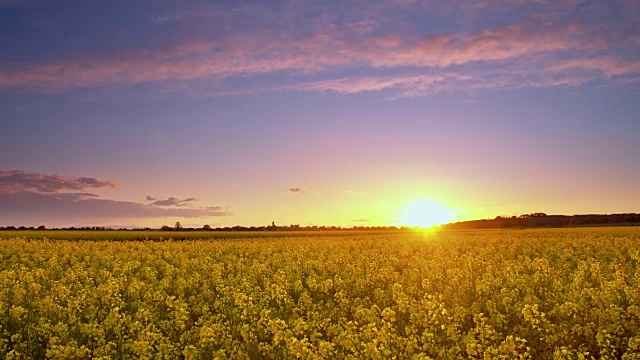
{"type": "Point", "coordinates": [425, 213]}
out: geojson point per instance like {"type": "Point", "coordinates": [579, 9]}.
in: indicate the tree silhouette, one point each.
{"type": "Point", "coordinates": [178, 226]}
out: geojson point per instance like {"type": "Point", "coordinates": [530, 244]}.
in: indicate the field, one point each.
{"type": "Point", "coordinates": [539, 294]}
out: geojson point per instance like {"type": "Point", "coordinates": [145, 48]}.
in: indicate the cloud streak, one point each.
{"type": "Point", "coordinates": [364, 46]}
{"type": "Point", "coordinates": [408, 86]}
{"type": "Point", "coordinates": [172, 201]}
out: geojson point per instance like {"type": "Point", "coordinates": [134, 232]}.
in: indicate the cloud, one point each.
{"type": "Point", "coordinates": [307, 191]}
{"type": "Point", "coordinates": [369, 46]}
{"type": "Point", "coordinates": [301, 190]}
{"type": "Point", "coordinates": [527, 73]}
{"type": "Point", "coordinates": [489, 45]}
{"type": "Point", "coordinates": [28, 207]}
{"type": "Point", "coordinates": [407, 85]}
{"type": "Point", "coordinates": [361, 220]}
{"type": "Point", "coordinates": [607, 66]}
{"type": "Point", "coordinates": [173, 202]}
{"type": "Point", "coordinates": [32, 198]}
{"type": "Point", "coordinates": [218, 208]}
{"type": "Point", "coordinates": [17, 180]}
{"type": "Point", "coordinates": [253, 54]}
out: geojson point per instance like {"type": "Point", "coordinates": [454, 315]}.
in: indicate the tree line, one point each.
{"type": "Point", "coordinates": [544, 220]}
{"type": "Point", "coordinates": [538, 219]}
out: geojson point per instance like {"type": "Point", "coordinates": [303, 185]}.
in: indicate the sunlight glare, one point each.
{"type": "Point", "coordinates": [425, 214]}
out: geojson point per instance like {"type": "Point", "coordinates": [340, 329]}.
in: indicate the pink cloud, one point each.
{"type": "Point", "coordinates": [529, 73]}
{"type": "Point", "coordinates": [40, 198]}
{"type": "Point", "coordinates": [608, 66]}
{"type": "Point", "coordinates": [44, 208]}
{"type": "Point", "coordinates": [172, 201]}
{"type": "Point", "coordinates": [411, 85]}
{"type": "Point", "coordinates": [336, 48]}
{"type": "Point", "coordinates": [17, 180]}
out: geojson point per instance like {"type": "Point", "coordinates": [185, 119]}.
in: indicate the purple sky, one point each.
{"type": "Point", "coordinates": [143, 113]}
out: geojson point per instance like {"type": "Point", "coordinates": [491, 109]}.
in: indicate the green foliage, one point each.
{"type": "Point", "coordinates": [533, 294]}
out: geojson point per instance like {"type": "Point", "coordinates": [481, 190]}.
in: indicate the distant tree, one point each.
{"type": "Point", "coordinates": [178, 226]}
{"type": "Point", "coordinates": [206, 228]}
{"type": "Point", "coordinates": [533, 215]}
{"type": "Point", "coordinates": [41, 227]}
{"type": "Point", "coordinates": [165, 228]}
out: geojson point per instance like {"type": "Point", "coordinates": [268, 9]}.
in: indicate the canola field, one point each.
{"type": "Point", "coordinates": [513, 294]}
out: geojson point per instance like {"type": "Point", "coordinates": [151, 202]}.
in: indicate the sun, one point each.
{"type": "Point", "coordinates": [425, 213]}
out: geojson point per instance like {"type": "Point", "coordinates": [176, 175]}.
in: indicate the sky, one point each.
{"type": "Point", "coordinates": [148, 112]}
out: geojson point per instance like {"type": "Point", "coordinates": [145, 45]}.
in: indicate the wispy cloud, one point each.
{"type": "Point", "coordinates": [219, 209]}
{"type": "Point", "coordinates": [365, 46]}
{"type": "Point", "coordinates": [406, 86]}
{"type": "Point", "coordinates": [172, 201]}
{"type": "Point", "coordinates": [607, 66]}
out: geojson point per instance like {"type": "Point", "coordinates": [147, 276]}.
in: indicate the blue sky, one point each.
{"type": "Point", "coordinates": [487, 107]}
